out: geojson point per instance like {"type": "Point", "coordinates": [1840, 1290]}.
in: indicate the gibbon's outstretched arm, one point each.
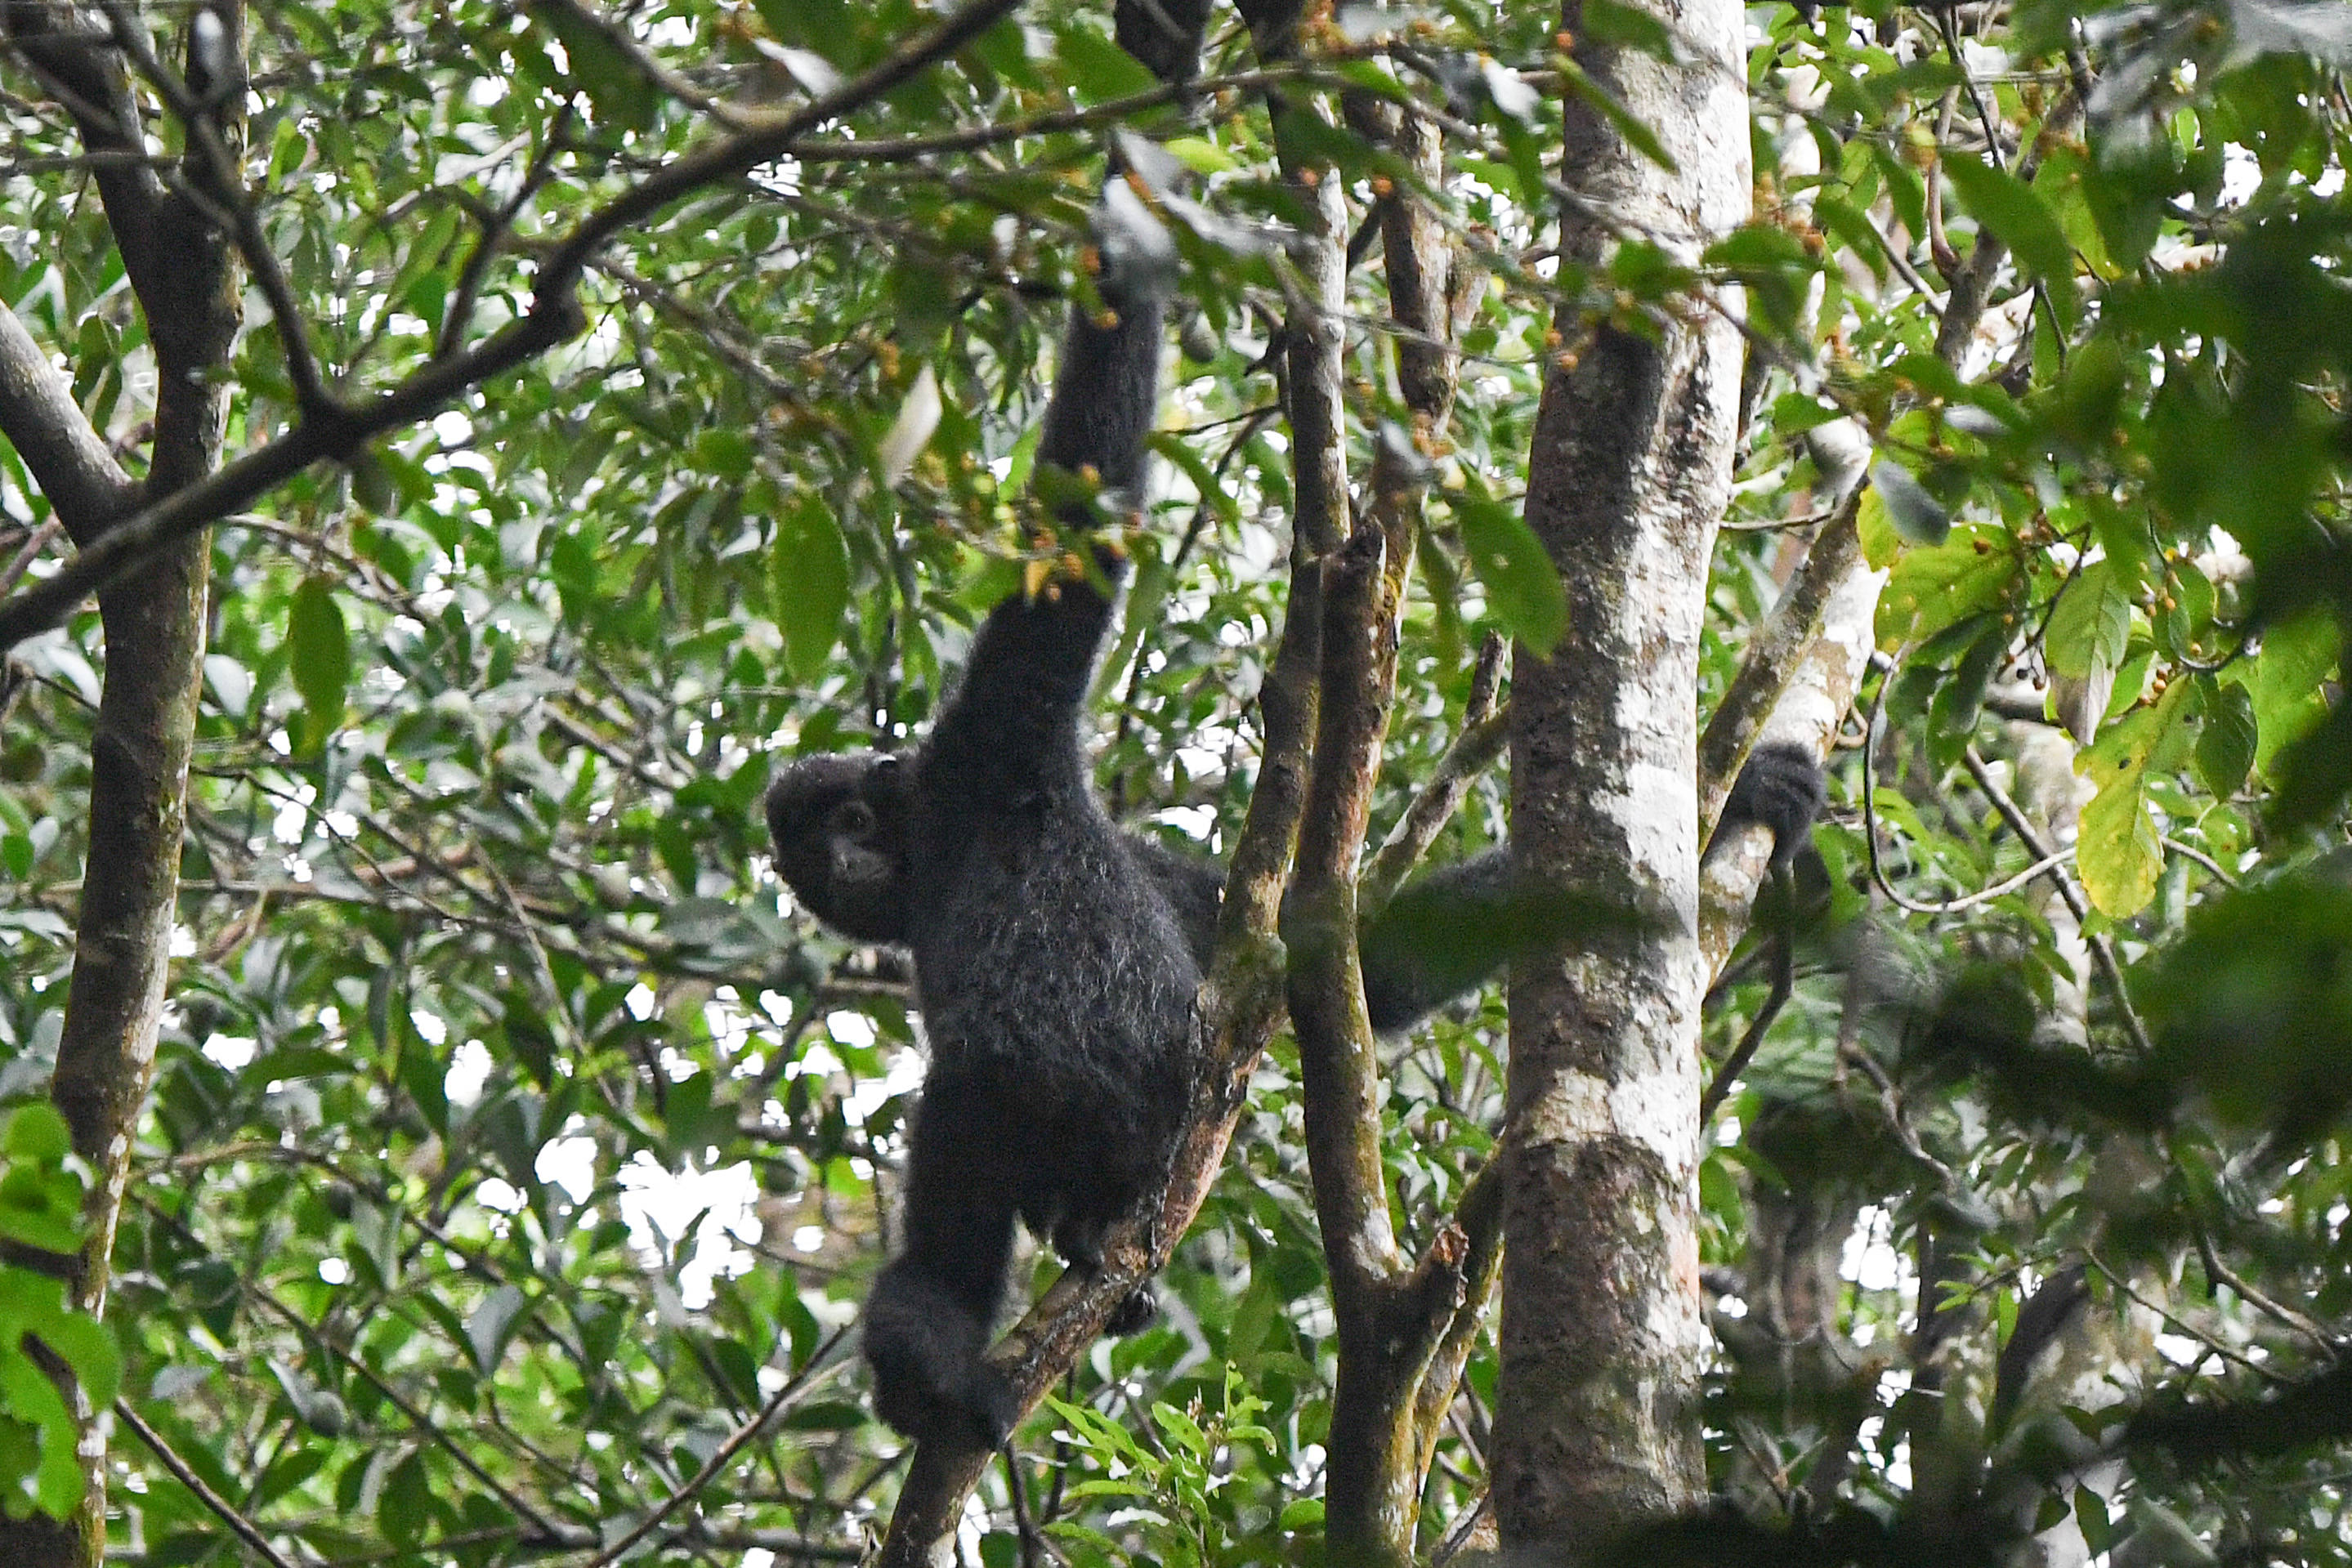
{"type": "Point", "coordinates": [1012, 725]}
{"type": "Point", "coordinates": [840, 843]}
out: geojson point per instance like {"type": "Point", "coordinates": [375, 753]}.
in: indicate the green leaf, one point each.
{"type": "Point", "coordinates": [2092, 395]}
{"type": "Point", "coordinates": [2297, 655]}
{"type": "Point", "coordinates": [809, 577]}
{"type": "Point", "coordinates": [2225, 746]}
{"type": "Point", "coordinates": [1917, 516]}
{"type": "Point", "coordinates": [2314, 774]}
{"type": "Point", "coordinates": [621, 95]}
{"type": "Point", "coordinates": [1932, 590]}
{"type": "Point", "coordinates": [37, 1133]}
{"type": "Point", "coordinates": [1098, 67]}
{"type": "Point", "coordinates": [404, 1507]}
{"type": "Point", "coordinates": [1202, 156]}
{"type": "Point", "coordinates": [2118, 850]}
{"type": "Point", "coordinates": [491, 1324]}
{"type": "Point", "coordinates": [1607, 22]}
{"type": "Point", "coordinates": [1522, 584]}
{"type": "Point", "coordinates": [318, 649]}
{"type": "Point", "coordinates": [82, 1342]}
{"type": "Point", "coordinates": [2012, 210]}
{"type": "Point", "coordinates": [1847, 222]}
{"type": "Point", "coordinates": [2090, 1518]}
{"type": "Point", "coordinates": [2091, 625]}
{"type": "Point", "coordinates": [725, 453]}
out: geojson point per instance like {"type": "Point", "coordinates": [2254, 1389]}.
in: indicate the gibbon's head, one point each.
{"type": "Point", "coordinates": [839, 824]}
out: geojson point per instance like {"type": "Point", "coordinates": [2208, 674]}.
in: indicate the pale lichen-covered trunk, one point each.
{"type": "Point", "coordinates": [1602, 1337]}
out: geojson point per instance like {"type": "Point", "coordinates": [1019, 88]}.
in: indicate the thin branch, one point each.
{"type": "Point", "coordinates": [2301, 1323]}
{"type": "Point", "coordinates": [85, 75]}
{"type": "Point", "coordinates": [1878, 877]}
{"type": "Point", "coordinates": [625, 44]}
{"type": "Point", "coordinates": [221, 1508]}
{"type": "Point", "coordinates": [1784, 983]}
{"type": "Point", "coordinates": [2201, 858]}
{"type": "Point", "coordinates": [1898, 1122]}
{"type": "Point", "coordinates": [2206, 1337]}
{"type": "Point", "coordinates": [36, 541]}
{"type": "Point", "coordinates": [542, 1526]}
{"type": "Point", "coordinates": [1339, 1070]}
{"type": "Point", "coordinates": [1950, 30]}
{"type": "Point", "coordinates": [1111, 111]}
{"type": "Point", "coordinates": [495, 227]}
{"type": "Point", "coordinates": [1474, 750]}
{"type": "Point", "coordinates": [720, 1458]}
{"type": "Point", "coordinates": [1794, 622]}
{"type": "Point", "coordinates": [1921, 288]}
{"type": "Point", "coordinates": [1458, 1533]}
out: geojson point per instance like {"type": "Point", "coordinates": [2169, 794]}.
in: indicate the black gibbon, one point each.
{"type": "Point", "coordinates": [1056, 978]}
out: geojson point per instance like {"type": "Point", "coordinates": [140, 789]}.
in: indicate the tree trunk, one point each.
{"type": "Point", "coordinates": [1603, 1339]}
{"type": "Point", "coordinates": [185, 274]}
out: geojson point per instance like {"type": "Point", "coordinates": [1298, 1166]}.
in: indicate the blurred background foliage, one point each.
{"type": "Point", "coordinates": [514, 1138]}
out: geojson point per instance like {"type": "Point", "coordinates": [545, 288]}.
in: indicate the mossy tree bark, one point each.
{"type": "Point", "coordinates": [1603, 1339]}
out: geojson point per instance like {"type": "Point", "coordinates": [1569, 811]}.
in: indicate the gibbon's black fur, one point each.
{"type": "Point", "coordinates": [838, 823]}
{"type": "Point", "coordinates": [1055, 976]}
{"type": "Point", "coordinates": [1165, 35]}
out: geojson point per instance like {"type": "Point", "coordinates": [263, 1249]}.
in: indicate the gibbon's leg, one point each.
{"type": "Point", "coordinates": [928, 1316]}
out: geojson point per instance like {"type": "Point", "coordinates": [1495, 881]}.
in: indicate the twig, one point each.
{"type": "Point", "coordinates": [222, 1509]}
{"type": "Point", "coordinates": [1783, 982]}
{"type": "Point", "coordinates": [36, 542]}
{"type": "Point", "coordinates": [911, 149]}
{"type": "Point", "coordinates": [2201, 858]}
{"type": "Point", "coordinates": [1890, 1101]}
{"type": "Point", "coordinates": [2302, 1322]}
{"type": "Point", "coordinates": [1475, 745]}
{"type": "Point", "coordinates": [720, 1459]}
{"type": "Point", "coordinates": [2212, 1342]}
{"type": "Point", "coordinates": [1950, 30]}
{"type": "Point", "coordinates": [625, 44]}
{"type": "Point", "coordinates": [1032, 1539]}
{"type": "Point", "coordinates": [1878, 877]}
{"type": "Point", "coordinates": [494, 228]}
{"type": "Point", "coordinates": [542, 1527]}
{"type": "Point", "coordinates": [1457, 1535]}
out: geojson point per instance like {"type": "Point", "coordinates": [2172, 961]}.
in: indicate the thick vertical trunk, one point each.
{"type": "Point", "coordinates": [186, 276]}
{"type": "Point", "coordinates": [1603, 1338]}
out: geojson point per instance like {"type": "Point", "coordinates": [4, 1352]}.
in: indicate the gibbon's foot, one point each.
{"type": "Point", "coordinates": [930, 1382]}
{"type": "Point", "coordinates": [1136, 1314]}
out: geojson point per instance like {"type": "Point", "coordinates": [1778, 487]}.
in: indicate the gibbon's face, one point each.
{"type": "Point", "coordinates": [839, 824]}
